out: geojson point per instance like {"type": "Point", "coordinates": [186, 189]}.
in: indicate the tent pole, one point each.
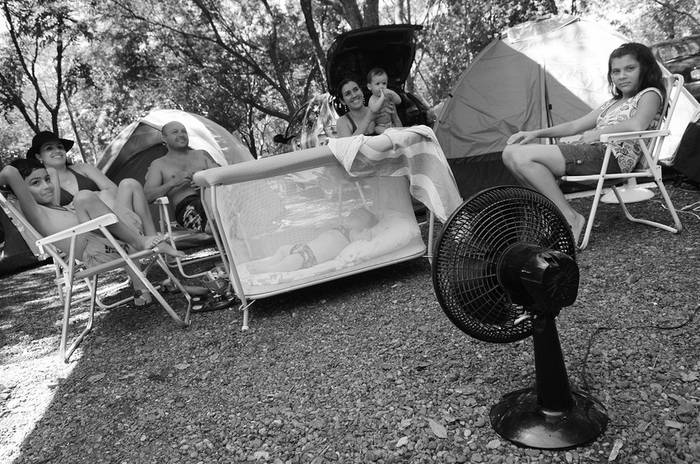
{"type": "Point", "coordinates": [547, 120]}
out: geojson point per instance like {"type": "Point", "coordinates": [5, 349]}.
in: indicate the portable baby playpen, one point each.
{"type": "Point", "coordinates": [259, 209]}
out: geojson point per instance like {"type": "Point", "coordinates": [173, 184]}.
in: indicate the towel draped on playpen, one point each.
{"type": "Point", "coordinates": [415, 154]}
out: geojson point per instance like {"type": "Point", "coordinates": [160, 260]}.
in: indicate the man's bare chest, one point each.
{"type": "Point", "coordinates": [175, 166]}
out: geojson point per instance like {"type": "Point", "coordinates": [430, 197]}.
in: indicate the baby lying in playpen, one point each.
{"type": "Point", "coordinates": [324, 247]}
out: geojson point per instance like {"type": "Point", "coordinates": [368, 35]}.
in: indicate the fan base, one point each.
{"type": "Point", "coordinates": [519, 418]}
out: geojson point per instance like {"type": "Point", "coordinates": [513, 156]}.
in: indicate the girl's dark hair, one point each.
{"type": "Point", "coordinates": [26, 166]}
{"type": "Point", "coordinates": [650, 72]}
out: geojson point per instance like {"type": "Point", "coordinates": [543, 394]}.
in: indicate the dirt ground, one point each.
{"type": "Point", "coordinates": [363, 369]}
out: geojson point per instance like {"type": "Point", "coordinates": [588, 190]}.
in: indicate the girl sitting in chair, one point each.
{"type": "Point", "coordinates": [31, 184]}
{"type": "Point", "coordinates": [638, 94]}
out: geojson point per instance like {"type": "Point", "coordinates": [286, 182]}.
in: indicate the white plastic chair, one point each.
{"type": "Point", "coordinates": [651, 142]}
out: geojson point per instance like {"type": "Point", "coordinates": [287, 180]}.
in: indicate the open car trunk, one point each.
{"type": "Point", "coordinates": [391, 47]}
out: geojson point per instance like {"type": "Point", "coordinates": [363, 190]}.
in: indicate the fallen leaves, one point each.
{"type": "Point", "coordinates": [617, 446]}
{"type": "Point", "coordinates": [438, 429]}
{"type": "Point", "coordinates": [405, 423]}
{"type": "Point", "coordinates": [96, 377]}
{"type": "Point", "coordinates": [493, 444]}
{"type": "Point", "coordinates": [673, 424]}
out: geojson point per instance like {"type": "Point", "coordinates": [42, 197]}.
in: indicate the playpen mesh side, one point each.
{"type": "Point", "coordinates": [258, 217]}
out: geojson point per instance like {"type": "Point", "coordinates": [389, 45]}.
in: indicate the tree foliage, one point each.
{"type": "Point", "coordinates": [246, 64]}
{"type": "Point", "coordinates": [461, 29]}
{"type": "Point", "coordinates": [35, 69]}
{"type": "Point", "coordinates": [647, 21]}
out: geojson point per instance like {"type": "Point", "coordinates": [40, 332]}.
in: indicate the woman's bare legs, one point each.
{"type": "Point", "coordinates": [88, 205]}
{"type": "Point", "coordinates": [131, 197]}
{"type": "Point", "coordinates": [538, 167]}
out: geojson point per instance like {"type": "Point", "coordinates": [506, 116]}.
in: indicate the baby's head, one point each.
{"type": "Point", "coordinates": [37, 179]}
{"type": "Point", "coordinates": [377, 79]}
{"type": "Point", "coordinates": [361, 219]}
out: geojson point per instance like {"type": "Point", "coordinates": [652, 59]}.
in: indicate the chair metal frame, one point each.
{"type": "Point", "coordinates": [69, 271]}
{"type": "Point", "coordinates": [165, 224]}
{"type": "Point", "coordinates": [650, 142]}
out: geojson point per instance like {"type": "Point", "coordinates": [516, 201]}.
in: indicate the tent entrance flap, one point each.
{"type": "Point", "coordinates": [475, 173]}
{"type": "Point", "coordinates": [136, 165]}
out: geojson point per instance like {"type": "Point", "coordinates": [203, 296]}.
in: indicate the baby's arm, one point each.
{"type": "Point", "coordinates": [392, 96]}
{"type": "Point", "coordinates": [395, 120]}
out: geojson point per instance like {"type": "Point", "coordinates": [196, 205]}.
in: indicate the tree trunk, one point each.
{"type": "Point", "coordinates": [74, 126]}
{"type": "Point", "coordinates": [352, 13]}
{"type": "Point", "coordinates": [313, 34]}
{"type": "Point", "coordinates": [371, 13]}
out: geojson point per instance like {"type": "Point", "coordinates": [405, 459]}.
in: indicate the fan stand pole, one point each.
{"type": "Point", "coordinates": [550, 415]}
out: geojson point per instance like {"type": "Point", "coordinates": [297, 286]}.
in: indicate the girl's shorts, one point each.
{"type": "Point", "coordinates": [584, 159]}
{"type": "Point", "coordinates": [99, 250]}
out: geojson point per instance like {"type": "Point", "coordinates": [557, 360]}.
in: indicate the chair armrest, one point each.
{"type": "Point", "coordinates": [89, 226]}
{"type": "Point", "coordinates": [633, 135]}
{"type": "Point", "coordinates": [161, 201]}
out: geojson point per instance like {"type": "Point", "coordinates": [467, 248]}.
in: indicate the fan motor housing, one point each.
{"type": "Point", "coordinates": [531, 274]}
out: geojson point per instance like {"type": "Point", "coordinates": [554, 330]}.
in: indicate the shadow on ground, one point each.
{"type": "Point", "coordinates": [368, 369]}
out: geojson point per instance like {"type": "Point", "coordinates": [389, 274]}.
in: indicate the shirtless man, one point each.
{"type": "Point", "coordinates": [171, 175]}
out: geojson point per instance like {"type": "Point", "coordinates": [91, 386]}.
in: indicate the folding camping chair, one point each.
{"type": "Point", "coordinates": [69, 271]}
{"type": "Point", "coordinates": [165, 225]}
{"type": "Point", "coordinates": [651, 142]}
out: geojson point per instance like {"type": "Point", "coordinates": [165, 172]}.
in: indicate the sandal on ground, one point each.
{"type": "Point", "coordinates": [142, 298]}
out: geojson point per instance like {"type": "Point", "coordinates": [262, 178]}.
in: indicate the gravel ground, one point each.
{"type": "Point", "coordinates": [363, 369]}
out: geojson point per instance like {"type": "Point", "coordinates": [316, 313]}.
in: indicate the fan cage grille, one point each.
{"type": "Point", "coordinates": [467, 253]}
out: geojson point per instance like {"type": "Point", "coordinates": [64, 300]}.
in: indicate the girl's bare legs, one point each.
{"type": "Point", "coordinates": [538, 167]}
{"type": "Point", "coordinates": [131, 197]}
{"type": "Point", "coordinates": [88, 205]}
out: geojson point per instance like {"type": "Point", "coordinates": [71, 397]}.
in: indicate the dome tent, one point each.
{"type": "Point", "coordinates": [132, 151]}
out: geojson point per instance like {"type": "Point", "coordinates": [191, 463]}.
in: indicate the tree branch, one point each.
{"type": "Point", "coordinates": [677, 11]}
{"type": "Point", "coordinates": [313, 34]}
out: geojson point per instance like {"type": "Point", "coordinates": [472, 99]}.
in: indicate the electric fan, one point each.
{"type": "Point", "coordinates": [504, 266]}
